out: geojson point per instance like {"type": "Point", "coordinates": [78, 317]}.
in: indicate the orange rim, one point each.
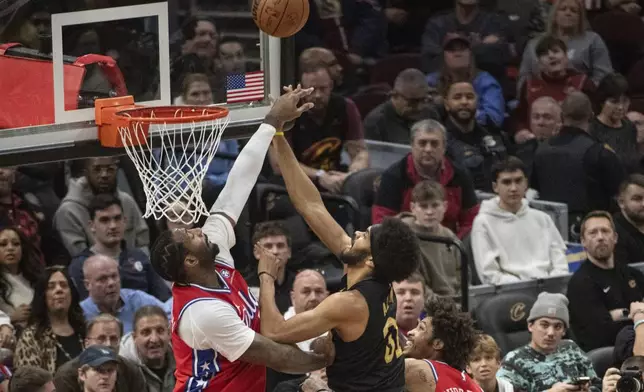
{"type": "Point", "coordinates": [172, 114]}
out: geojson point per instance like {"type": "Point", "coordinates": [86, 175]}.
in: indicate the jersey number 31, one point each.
{"type": "Point", "coordinates": [390, 332]}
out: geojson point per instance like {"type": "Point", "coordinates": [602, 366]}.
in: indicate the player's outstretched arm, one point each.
{"type": "Point", "coordinates": [247, 166]}
{"type": "Point", "coordinates": [283, 357]}
{"type": "Point", "coordinates": [307, 200]}
{"type": "Point", "coordinates": [418, 376]}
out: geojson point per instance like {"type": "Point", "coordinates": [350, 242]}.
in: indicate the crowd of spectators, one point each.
{"type": "Point", "coordinates": [528, 100]}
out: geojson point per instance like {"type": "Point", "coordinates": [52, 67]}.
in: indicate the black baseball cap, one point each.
{"type": "Point", "coordinates": [95, 356]}
{"type": "Point", "coordinates": [455, 37]}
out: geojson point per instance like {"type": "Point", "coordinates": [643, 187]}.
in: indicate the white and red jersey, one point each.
{"type": "Point", "coordinates": [221, 324]}
{"type": "Point", "coordinates": [449, 379]}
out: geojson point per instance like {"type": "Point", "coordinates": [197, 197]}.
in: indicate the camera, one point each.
{"type": "Point", "coordinates": [631, 381]}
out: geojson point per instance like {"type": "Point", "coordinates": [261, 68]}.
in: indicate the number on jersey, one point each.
{"type": "Point", "coordinates": [392, 348]}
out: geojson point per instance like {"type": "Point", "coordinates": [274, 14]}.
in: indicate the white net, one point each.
{"type": "Point", "coordinates": [172, 165]}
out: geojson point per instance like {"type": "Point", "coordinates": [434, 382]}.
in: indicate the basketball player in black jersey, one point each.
{"type": "Point", "coordinates": [362, 320]}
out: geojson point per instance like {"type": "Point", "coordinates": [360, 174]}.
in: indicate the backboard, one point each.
{"type": "Point", "coordinates": [58, 56]}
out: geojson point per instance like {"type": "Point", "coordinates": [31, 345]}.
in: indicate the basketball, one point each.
{"type": "Point", "coordinates": [280, 18]}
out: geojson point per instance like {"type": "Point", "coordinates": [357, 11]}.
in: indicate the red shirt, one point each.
{"type": "Point", "coordinates": [208, 370]}
{"type": "Point", "coordinates": [449, 379]}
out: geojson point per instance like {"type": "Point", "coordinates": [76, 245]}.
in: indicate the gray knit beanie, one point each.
{"type": "Point", "coordinates": [553, 305]}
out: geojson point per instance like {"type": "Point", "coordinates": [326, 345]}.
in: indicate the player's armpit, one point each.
{"type": "Point", "coordinates": [282, 357]}
{"type": "Point", "coordinates": [307, 200]}
{"type": "Point", "coordinates": [419, 376]}
{"type": "Point", "coordinates": [337, 311]}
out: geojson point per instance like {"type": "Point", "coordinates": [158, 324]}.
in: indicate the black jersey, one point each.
{"type": "Point", "coordinates": [374, 361]}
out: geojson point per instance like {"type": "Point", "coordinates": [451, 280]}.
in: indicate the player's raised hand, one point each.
{"type": "Point", "coordinates": [287, 107]}
{"type": "Point", "coordinates": [268, 262]}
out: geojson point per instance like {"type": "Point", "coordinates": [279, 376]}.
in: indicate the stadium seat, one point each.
{"type": "Point", "coordinates": [602, 359]}
{"type": "Point", "coordinates": [360, 186]}
{"type": "Point", "coordinates": [504, 317]}
{"type": "Point", "coordinates": [386, 69]}
{"type": "Point", "coordinates": [370, 97]}
{"type": "Point", "coordinates": [623, 48]}
{"type": "Point", "coordinates": [475, 279]}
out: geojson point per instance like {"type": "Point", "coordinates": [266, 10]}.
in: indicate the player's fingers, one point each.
{"type": "Point", "coordinates": [302, 92]}
{"type": "Point", "coordinates": [307, 106]}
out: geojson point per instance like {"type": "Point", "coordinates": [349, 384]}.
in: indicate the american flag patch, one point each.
{"type": "Point", "coordinates": [245, 87]}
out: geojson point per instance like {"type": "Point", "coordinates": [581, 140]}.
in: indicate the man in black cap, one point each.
{"type": "Point", "coordinates": [97, 372]}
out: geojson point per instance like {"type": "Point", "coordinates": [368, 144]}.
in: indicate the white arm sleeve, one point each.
{"type": "Point", "coordinates": [214, 324]}
{"type": "Point", "coordinates": [233, 197]}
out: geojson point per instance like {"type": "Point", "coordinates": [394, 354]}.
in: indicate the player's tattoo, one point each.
{"type": "Point", "coordinates": [422, 376]}
{"type": "Point", "coordinates": [282, 357]}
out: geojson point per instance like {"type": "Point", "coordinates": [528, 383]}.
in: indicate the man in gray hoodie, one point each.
{"type": "Point", "coordinates": [72, 217]}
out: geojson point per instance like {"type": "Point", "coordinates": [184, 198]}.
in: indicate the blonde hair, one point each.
{"type": "Point", "coordinates": [485, 345]}
{"type": "Point", "coordinates": [552, 18]}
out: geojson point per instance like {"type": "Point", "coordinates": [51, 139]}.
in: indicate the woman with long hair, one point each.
{"type": "Point", "coordinates": [19, 269]}
{"type": "Point", "coordinates": [587, 51]}
{"type": "Point", "coordinates": [459, 66]}
{"type": "Point", "coordinates": [56, 328]}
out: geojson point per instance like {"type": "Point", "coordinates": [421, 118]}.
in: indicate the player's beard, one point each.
{"type": "Point", "coordinates": [353, 257]}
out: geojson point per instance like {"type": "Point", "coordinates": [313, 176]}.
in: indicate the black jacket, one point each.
{"type": "Point", "coordinates": [630, 243]}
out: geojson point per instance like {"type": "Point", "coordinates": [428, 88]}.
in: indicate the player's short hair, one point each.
{"type": "Point", "coordinates": [395, 250]}
{"type": "Point", "coordinates": [454, 328]}
{"type": "Point", "coordinates": [167, 258]}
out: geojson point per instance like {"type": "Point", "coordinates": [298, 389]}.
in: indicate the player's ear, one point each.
{"type": "Point", "coordinates": [437, 344]}
{"type": "Point", "coordinates": [369, 262]}
{"type": "Point", "coordinates": [190, 261]}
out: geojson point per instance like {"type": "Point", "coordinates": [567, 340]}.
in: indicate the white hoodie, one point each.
{"type": "Point", "coordinates": [511, 247]}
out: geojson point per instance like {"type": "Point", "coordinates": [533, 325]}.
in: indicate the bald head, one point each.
{"type": "Point", "coordinates": [411, 77]}
{"type": "Point", "coordinates": [309, 289]}
{"type": "Point", "coordinates": [577, 110]}
{"type": "Point", "coordinates": [545, 117]}
{"type": "Point", "coordinates": [102, 280]}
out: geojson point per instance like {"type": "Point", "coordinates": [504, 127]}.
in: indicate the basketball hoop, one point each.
{"type": "Point", "coordinates": [173, 168]}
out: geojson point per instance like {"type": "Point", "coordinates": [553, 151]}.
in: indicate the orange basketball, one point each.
{"type": "Point", "coordinates": [280, 18]}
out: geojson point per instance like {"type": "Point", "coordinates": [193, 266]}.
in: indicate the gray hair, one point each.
{"type": "Point", "coordinates": [427, 125]}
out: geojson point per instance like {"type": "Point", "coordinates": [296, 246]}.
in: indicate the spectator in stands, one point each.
{"type": "Point", "coordinates": [275, 238]}
{"type": "Point", "coordinates": [316, 57]}
{"type": "Point", "coordinates": [410, 300]}
{"type": "Point", "coordinates": [468, 143]}
{"type": "Point", "coordinates": [320, 134]}
{"type": "Point", "coordinates": [427, 160]}
{"type": "Point", "coordinates": [197, 92]}
{"type": "Point", "coordinates": [20, 270]}
{"type": "Point", "coordinates": [199, 54]}
{"type": "Point", "coordinates": [545, 122]}
{"type": "Point", "coordinates": [72, 218]}
{"type": "Point", "coordinates": [356, 30]}
{"type": "Point", "coordinates": [30, 379]}
{"type": "Point", "coordinates": [107, 225]}
{"type": "Point", "coordinates": [309, 289]}
{"type": "Point", "coordinates": [56, 326]}
{"type": "Point", "coordinates": [505, 245]}
{"type": "Point", "coordinates": [555, 79]}
{"type": "Point", "coordinates": [406, 22]}
{"type": "Point", "coordinates": [484, 363]}
{"type": "Point", "coordinates": [16, 211]}
{"type": "Point", "coordinates": [104, 330]}
{"type": "Point", "coordinates": [525, 21]}
{"type": "Point", "coordinates": [98, 367]}
{"type": "Point", "coordinates": [103, 284]}
{"type": "Point", "coordinates": [586, 50]}
{"type": "Point", "coordinates": [409, 102]}
{"type": "Point", "coordinates": [440, 266]}
{"type": "Point", "coordinates": [459, 66]}
{"type": "Point", "coordinates": [486, 31]}
{"type": "Point", "coordinates": [231, 56]}
{"type": "Point", "coordinates": [548, 362]}
{"type": "Point", "coordinates": [7, 335]}
{"type": "Point", "coordinates": [609, 286]}
{"type": "Point", "coordinates": [611, 126]}
{"type": "Point", "coordinates": [152, 342]}
{"type": "Point", "coordinates": [573, 168]}
{"type": "Point", "coordinates": [629, 222]}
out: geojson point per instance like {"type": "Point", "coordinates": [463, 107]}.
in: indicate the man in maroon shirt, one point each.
{"type": "Point", "coordinates": [320, 135]}
{"type": "Point", "coordinates": [427, 161]}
